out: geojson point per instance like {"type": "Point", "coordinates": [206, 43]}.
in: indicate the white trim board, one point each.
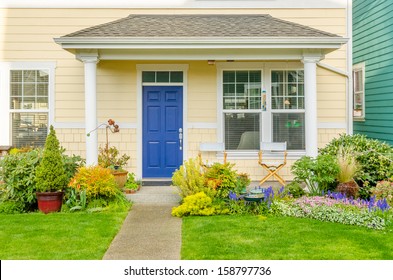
{"type": "Point", "coordinates": [197, 4]}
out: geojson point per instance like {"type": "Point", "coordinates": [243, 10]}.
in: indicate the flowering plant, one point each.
{"type": "Point", "coordinates": [336, 207]}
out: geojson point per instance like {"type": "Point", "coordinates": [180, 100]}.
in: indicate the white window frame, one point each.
{"type": "Point", "coordinates": [288, 111]}
{"type": "Point", "coordinates": [266, 116]}
{"type": "Point", "coordinates": [237, 66]}
{"type": "Point", "coordinates": [5, 111]}
{"type": "Point", "coordinates": [355, 68]}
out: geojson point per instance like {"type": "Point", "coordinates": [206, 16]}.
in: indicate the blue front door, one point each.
{"type": "Point", "coordinates": [162, 130]}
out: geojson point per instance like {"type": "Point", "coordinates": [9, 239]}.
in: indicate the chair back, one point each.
{"type": "Point", "coordinates": [212, 147]}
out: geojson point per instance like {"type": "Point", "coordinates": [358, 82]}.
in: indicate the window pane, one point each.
{"type": "Point", "coordinates": [29, 89]}
{"type": "Point", "coordinates": [16, 90]}
{"type": "Point", "coordinates": [162, 77]}
{"type": "Point", "coordinates": [42, 103]}
{"type": "Point", "coordinates": [289, 127]}
{"type": "Point", "coordinates": [42, 76]}
{"type": "Point", "coordinates": [289, 85]}
{"type": "Point", "coordinates": [29, 129]}
{"type": "Point", "coordinates": [255, 76]}
{"type": "Point", "coordinates": [16, 103]}
{"type": "Point", "coordinates": [148, 77]}
{"type": "Point", "coordinates": [229, 76]}
{"type": "Point", "coordinates": [16, 76]}
{"type": "Point", "coordinates": [42, 90]}
{"type": "Point", "coordinates": [245, 87]}
{"type": "Point", "coordinates": [29, 76]}
{"type": "Point", "coordinates": [242, 131]}
{"type": "Point", "coordinates": [26, 88]}
{"type": "Point", "coordinates": [176, 77]}
{"type": "Point", "coordinates": [229, 103]}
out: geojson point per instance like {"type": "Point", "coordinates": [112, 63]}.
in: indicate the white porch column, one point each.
{"type": "Point", "coordinates": [90, 63]}
{"type": "Point", "coordinates": [310, 102]}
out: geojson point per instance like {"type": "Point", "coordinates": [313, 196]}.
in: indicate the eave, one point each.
{"type": "Point", "coordinates": [99, 43]}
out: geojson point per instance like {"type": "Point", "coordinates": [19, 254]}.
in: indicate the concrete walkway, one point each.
{"type": "Point", "coordinates": [149, 232]}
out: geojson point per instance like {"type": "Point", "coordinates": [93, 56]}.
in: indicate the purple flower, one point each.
{"type": "Point", "coordinates": [233, 196]}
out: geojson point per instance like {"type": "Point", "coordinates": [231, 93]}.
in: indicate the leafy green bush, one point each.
{"type": "Point", "coordinates": [375, 157]}
{"type": "Point", "coordinates": [50, 173]}
{"type": "Point", "coordinates": [190, 179]}
{"type": "Point", "coordinates": [222, 178]}
{"type": "Point", "coordinates": [295, 189]}
{"type": "Point", "coordinates": [317, 173]}
{"type": "Point", "coordinates": [18, 172]}
{"type": "Point", "coordinates": [198, 204]}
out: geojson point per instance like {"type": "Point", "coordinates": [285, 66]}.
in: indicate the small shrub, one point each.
{"type": "Point", "coordinates": [295, 189]}
{"type": "Point", "coordinates": [96, 181]}
{"type": "Point", "coordinates": [189, 179]}
{"type": "Point", "coordinates": [198, 204]}
{"type": "Point", "coordinates": [221, 177]}
{"type": "Point", "coordinates": [50, 173]}
{"type": "Point", "coordinates": [317, 173]}
{"type": "Point", "coordinates": [242, 182]}
{"type": "Point", "coordinates": [131, 183]}
{"type": "Point", "coordinates": [12, 207]}
{"type": "Point", "coordinates": [384, 190]}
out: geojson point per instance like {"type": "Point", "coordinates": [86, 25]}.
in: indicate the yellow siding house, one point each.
{"type": "Point", "coordinates": [175, 74]}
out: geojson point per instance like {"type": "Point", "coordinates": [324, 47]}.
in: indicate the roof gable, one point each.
{"type": "Point", "coordinates": [200, 26]}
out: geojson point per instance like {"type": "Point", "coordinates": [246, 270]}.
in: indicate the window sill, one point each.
{"type": "Point", "coordinates": [253, 155]}
{"type": "Point", "coordinates": [358, 119]}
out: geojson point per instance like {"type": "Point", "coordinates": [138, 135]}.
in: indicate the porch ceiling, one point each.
{"type": "Point", "coordinates": [200, 37]}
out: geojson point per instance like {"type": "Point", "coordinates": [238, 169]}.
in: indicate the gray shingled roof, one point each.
{"type": "Point", "coordinates": [200, 26]}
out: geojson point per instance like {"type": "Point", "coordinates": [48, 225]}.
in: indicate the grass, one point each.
{"type": "Point", "coordinates": [58, 236]}
{"type": "Point", "coordinates": [281, 238]}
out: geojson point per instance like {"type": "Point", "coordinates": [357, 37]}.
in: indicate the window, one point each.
{"type": "Point", "coordinates": [162, 76]}
{"type": "Point", "coordinates": [29, 107]}
{"type": "Point", "coordinates": [287, 102]}
{"type": "Point", "coordinates": [358, 91]}
{"type": "Point", "coordinates": [242, 109]}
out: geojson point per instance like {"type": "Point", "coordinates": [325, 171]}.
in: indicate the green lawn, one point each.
{"type": "Point", "coordinates": [58, 236]}
{"type": "Point", "coordinates": [281, 238]}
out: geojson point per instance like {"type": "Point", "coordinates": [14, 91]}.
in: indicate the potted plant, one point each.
{"type": "Point", "coordinates": [109, 157]}
{"type": "Point", "coordinates": [51, 177]}
{"type": "Point", "coordinates": [132, 185]}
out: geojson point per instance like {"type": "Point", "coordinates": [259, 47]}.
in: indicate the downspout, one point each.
{"type": "Point", "coordinates": [349, 69]}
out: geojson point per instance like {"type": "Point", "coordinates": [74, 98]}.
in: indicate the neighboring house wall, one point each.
{"type": "Point", "coordinates": [28, 36]}
{"type": "Point", "coordinates": [373, 49]}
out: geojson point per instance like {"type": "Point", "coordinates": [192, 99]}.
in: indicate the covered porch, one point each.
{"type": "Point", "coordinates": [227, 44]}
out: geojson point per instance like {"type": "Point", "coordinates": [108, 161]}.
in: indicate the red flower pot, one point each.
{"type": "Point", "coordinates": [49, 201]}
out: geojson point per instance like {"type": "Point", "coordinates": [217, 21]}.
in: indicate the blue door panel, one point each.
{"type": "Point", "coordinates": [162, 119]}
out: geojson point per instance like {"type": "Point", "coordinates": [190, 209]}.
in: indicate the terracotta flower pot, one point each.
{"type": "Point", "coordinates": [49, 201]}
{"type": "Point", "coordinates": [120, 177]}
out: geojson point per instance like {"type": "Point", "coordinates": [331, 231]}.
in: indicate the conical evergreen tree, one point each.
{"type": "Point", "coordinates": [50, 173]}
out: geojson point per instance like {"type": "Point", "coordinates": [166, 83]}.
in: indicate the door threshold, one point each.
{"type": "Point", "coordinates": [149, 182]}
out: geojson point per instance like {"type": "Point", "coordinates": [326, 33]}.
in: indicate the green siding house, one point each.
{"type": "Point", "coordinates": [373, 68]}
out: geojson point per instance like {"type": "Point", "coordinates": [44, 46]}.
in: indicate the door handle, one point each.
{"type": "Point", "coordinates": [180, 138]}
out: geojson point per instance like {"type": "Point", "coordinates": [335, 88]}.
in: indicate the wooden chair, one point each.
{"type": "Point", "coordinates": [211, 147]}
{"type": "Point", "coordinates": [278, 150]}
